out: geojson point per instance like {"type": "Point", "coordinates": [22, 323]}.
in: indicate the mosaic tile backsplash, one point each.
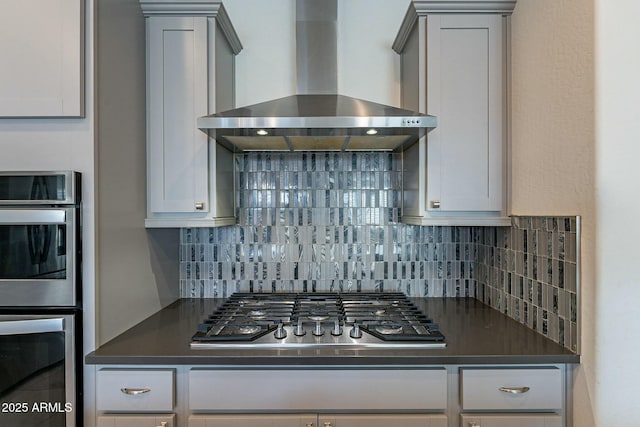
{"type": "Point", "coordinates": [325, 221]}
{"type": "Point", "coordinates": [529, 272]}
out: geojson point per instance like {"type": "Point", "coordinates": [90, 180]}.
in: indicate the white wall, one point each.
{"type": "Point", "coordinates": [367, 67]}
{"type": "Point", "coordinates": [617, 372]}
{"type": "Point", "coordinates": [264, 68]}
{"type": "Point", "coordinates": [588, 170]}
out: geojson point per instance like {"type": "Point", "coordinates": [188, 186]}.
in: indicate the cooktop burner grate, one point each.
{"type": "Point", "coordinates": [281, 320]}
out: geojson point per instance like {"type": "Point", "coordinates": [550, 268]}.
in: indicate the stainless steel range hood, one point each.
{"type": "Point", "coordinates": [317, 122]}
{"type": "Point", "coordinates": [316, 119]}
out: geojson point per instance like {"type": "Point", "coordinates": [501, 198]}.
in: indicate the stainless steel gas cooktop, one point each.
{"type": "Point", "coordinates": [318, 320]}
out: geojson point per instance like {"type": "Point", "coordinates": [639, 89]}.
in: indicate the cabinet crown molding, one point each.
{"type": "Point", "coordinates": [420, 8]}
{"type": "Point", "coordinates": [208, 8]}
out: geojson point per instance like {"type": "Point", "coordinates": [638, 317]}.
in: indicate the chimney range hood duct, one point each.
{"type": "Point", "coordinates": [316, 119]}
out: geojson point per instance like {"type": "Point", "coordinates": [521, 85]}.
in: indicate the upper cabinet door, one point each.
{"type": "Point", "coordinates": [42, 51]}
{"type": "Point", "coordinates": [455, 66]}
{"type": "Point", "coordinates": [177, 95]}
{"type": "Point", "coordinates": [465, 90]}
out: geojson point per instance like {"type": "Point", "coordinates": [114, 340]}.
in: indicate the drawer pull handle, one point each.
{"type": "Point", "coordinates": [135, 391]}
{"type": "Point", "coordinates": [514, 390]}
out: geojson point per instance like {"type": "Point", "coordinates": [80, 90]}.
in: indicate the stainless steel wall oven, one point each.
{"type": "Point", "coordinates": [40, 299]}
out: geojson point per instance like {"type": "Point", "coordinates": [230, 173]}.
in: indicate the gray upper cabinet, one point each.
{"type": "Point", "coordinates": [42, 53]}
{"type": "Point", "coordinates": [455, 66]}
{"type": "Point", "coordinates": [191, 48]}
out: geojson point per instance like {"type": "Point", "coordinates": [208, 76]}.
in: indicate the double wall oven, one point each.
{"type": "Point", "coordinates": [40, 299]}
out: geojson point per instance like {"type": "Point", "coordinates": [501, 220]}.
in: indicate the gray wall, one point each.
{"type": "Point", "coordinates": [137, 270]}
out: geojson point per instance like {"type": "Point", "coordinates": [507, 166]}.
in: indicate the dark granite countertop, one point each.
{"type": "Point", "coordinates": [475, 334]}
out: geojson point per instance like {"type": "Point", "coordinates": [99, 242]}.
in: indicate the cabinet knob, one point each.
{"type": "Point", "coordinates": [163, 424]}
{"type": "Point", "coordinates": [308, 425]}
{"type": "Point", "coordinates": [328, 424]}
{"type": "Point", "coordinates": [435, 204]}
{"type": "Point", "coordinates": [199, 206]}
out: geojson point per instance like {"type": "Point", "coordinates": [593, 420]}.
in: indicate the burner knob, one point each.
{"type": "Point", "coordinates": [281, 332]}
{"type": "Point", "coordinates": [318, 331]}
{"type": "Point", "coordinates": [355, 331]}
{"type": "Point", "coordinates": [337, 329]}
{"type": "Point", "coordinates": [299, 331]}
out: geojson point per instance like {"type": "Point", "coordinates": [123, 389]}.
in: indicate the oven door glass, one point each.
{"type": "Point", "coordinates": [20, 188]}
{"type": "Point", "coordinates": [36, 371]}
{"type": "Point", "coordinates": [36, 256]}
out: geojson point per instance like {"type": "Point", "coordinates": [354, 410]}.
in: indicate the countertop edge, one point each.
{"type": "Point", "coordinates": [361, 361]}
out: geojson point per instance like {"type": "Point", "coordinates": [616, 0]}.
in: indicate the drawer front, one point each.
{"type": "Point", "coordinates": [511, 389]}
{"type": "Point", "coordinates": [254, 420]}
{"type": "Point", "coordinates": [137, 421]}
{"type": "Point", "coordinates": [314, 390]}
{"type": "Point", "coordinates": [511, 421]}
{"type": "Point", "coordinates": [135, 390]}
{"type": "Point", "coordinates": [383, 420]}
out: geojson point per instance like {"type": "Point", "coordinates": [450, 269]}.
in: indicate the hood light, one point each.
{"type": "Point", "coordinates": [372, 132]}
{"type": "Point", "coordinates": [262, 132]}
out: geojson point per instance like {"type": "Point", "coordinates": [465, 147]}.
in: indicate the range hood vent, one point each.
{"type": "Point", "coordinates": [317, 119]}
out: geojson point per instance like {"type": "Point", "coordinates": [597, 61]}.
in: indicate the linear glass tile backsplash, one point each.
{"type": "Point", "coordinates": [529, 272]}
{"type": "Point", "coordinates": [328, 221]}
{"type": "Point", "coordinates": [324, 221]}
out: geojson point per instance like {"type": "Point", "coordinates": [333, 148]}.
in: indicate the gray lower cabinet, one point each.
{"type": "Point", "coordinates": [136, 421]}
{"type": "Point", "coordinates": [523, 397]}
{"type": "Point", "coordinates": [320, 420]}
{"type": "Point", "coordinates": [254, 420]}
{"type": "Point", "coordinates": [416, 396]}
{"type": "Point", "coordinates": [382, 420]}
{"type": "Point", "coordinates": [531, 420]}
{"type": "Point", "coordinates": [306, 390]}
{"type": "Point", "coordinates": [363, 390]}
{"type": "Point", "coordinates": [136, 397]}
{"type": "Point", "coordinates": [135, 390]}
{"type": "Point", "coordinates": [524, 389]}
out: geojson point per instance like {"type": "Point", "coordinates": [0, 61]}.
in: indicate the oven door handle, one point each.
{"type": "Point", "coordinates": [32, 326]}
{"type": "Point", "coordinates": [33, 216]}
